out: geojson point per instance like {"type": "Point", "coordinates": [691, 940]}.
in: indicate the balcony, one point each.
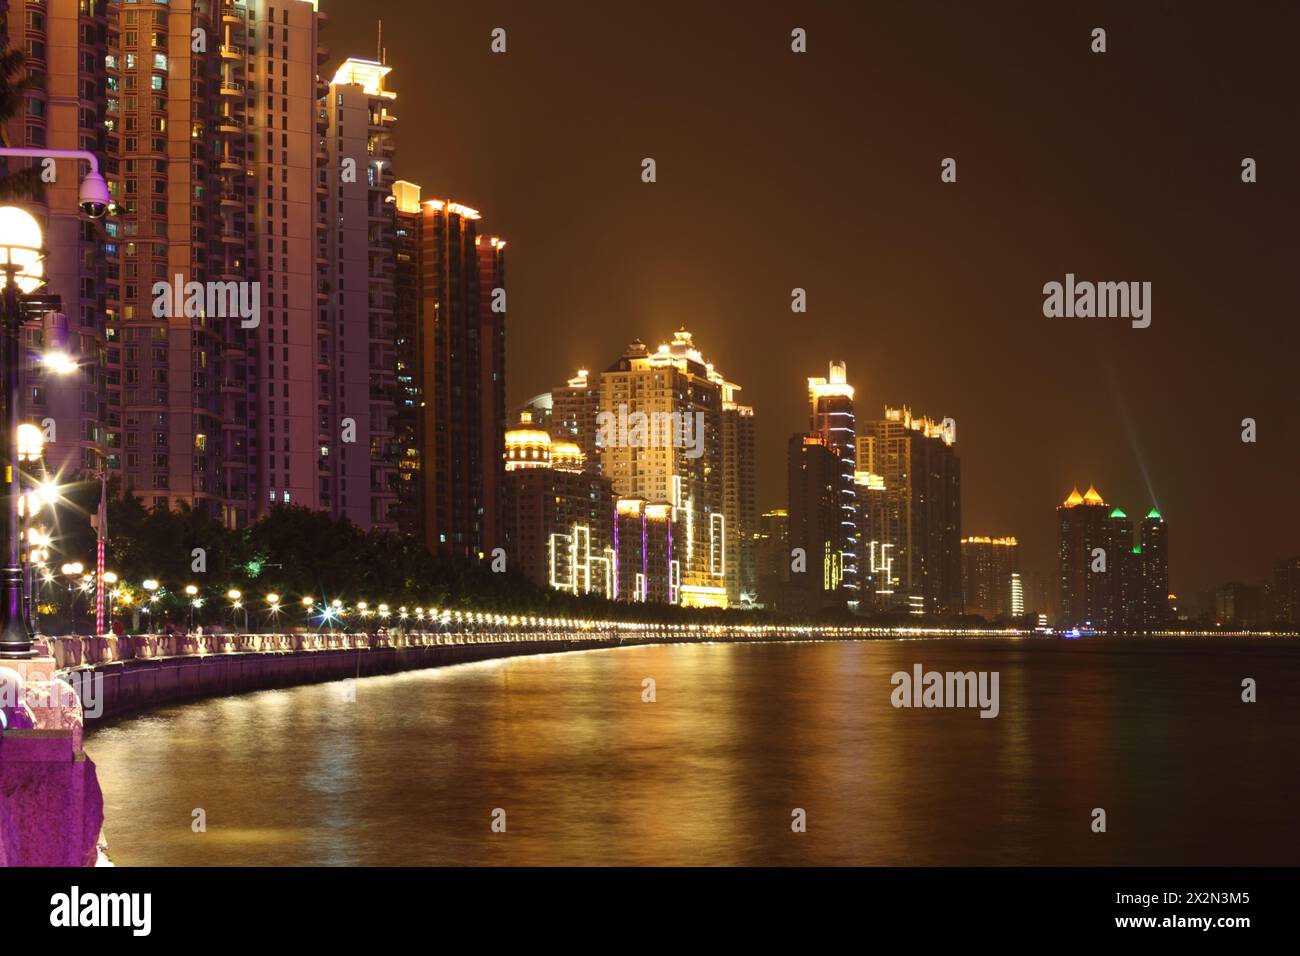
{"type": "Point", "coordinates": [231, 87]}
{"type": "Point", "coordinates": [232, 51]}
{"type": "Point", "coordinates": [230, 125]}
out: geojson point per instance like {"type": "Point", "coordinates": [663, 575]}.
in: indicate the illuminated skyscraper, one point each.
{"type": "Point", "coordinates": [1106, 580]}
{"type": "Point", "coordinates": [659, 440]}
{"type": "Point", "coordinates": [1154, 571]}
{"type": "Point", "coordinates": [355, 362]}
{"type": "Point", "coordinates": [831, 405]}
{"type": "Point", "coordinates": [1081, 529]}
{"type": "Point", "coordinates": [738, 497]}
{"type": "Point", "coordinates": [772, 556]}
{"type": "Point", "coordinates": [440, 335]}
{"type": "Point", "coordinates": [878, 524]}
{"type": "Point", "coordinates": [919, 519]}
{"type": "Point", "coordinates": [1121, 581]}
{"type": "Point", "coordinates": [816, 526]}
{"type": "Point", "coordinates": [492, 378]}
{"type": "Point", "coordinates": [988, 567]}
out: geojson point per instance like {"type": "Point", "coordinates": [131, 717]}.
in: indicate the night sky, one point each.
{"type": "Point", "coordinates": [821, 171]}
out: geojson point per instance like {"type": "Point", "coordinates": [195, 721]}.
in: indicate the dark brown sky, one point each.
{"type": "Point", "coordinates": [822, 171]}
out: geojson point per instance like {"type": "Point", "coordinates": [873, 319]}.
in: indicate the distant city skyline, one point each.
{"type": "Point", "coordinates": [931, 292]}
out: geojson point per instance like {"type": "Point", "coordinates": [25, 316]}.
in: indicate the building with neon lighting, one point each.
{"type": "Point", "coordinates": [647, 567]}
{"type": "Point", "coordinates": [831, 417]}
{"type": "Point", "coordinates": [558, 516]}
{"type": "Point", "coordinates": [673, 383]}
{"type": "Point", "coordinates": [738, 501]}
{"type": "Point", "coordinates": [916, 520]}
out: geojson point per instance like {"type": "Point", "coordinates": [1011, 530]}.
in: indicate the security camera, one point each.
{"type": "Point", "coordinates": [93, 195]}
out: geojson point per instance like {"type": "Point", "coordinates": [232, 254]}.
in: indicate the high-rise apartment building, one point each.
{"type": "Point", "coordinates": [1081, 529]}
{"type": "Point", "coordinates": [989, 566]}
{"type": "Point", "coordinates": [236, 315]}
{"type": "Point", "coordinates": [1153, 565]}
{"type": "Point", "coordinates": [738, 502]}
{"type": "Point", "coordinates": [357, 456]}
{"type": "Point", "coordinates": [772, 556]}
{"type": "Point", "coordinates": [1107, 581]}
{"type": "Point", "coordinates": [65, 43]}
{"type": "Point", "coordinates": [574, 406]}
{"type": "Point", "coordinates": [662, 443]}
{"type": "Point", "coordinates": [877, 530]}
{"type": "Point", "coordinates": [447, 394]}
{"type": "Point", "coordinates": [492, 379]}
{"type": "Point", "coordinates": [816, 527]}
{"type": "Point", "coordinates": [917, 525]}
{"type": "Point", "coordinates": [831, 418]}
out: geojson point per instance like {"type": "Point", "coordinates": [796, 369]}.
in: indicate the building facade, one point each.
{"type": "Point", "coordinates": [659, 440]}
{"type": "Point", "coordinates": [1110, 579]}
{"type": "Point", "coordinates": [989, 567]}
{"type": "Point", "coordinates": [738, 502]}
{"type": "Point", "coordinates": [355, 365]}
{"type": "Point", "coordinates": [558, 521]}
{"type": "Point", "coordinates": [451, 385]}
{"type": "Point", "coordinates": [917, 520]}
{"type": "Point", "coordinates": [816, 527]}
{"type": "Point", "coordinates": [831, 418]}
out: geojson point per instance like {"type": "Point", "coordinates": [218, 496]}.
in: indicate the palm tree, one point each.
{"type": "Point", "coordinates": [15, 81]}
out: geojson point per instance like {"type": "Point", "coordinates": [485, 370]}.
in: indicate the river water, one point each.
{"type": "Point", "coordinates": [410, 769]}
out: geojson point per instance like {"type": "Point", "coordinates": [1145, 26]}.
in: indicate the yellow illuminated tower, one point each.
{"type": "Point", "coordinates": [831, 419]}
{"type": "Point", "coordinates": [677, 460]}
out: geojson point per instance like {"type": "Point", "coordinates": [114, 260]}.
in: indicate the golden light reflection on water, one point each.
{"type": "Point", "coordinates": [739, 736]}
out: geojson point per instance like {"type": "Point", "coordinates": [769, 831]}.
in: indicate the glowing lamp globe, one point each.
{"type": "Point", "coordinates": [20, 245]}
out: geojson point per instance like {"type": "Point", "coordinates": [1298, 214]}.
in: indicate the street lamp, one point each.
{"type": "Point", "coordinates": [191, 590]}
{"type": "Point", "coordinates": [21, 260]}
{"type": "Point", "coordinates": [71, 571]}
{"type": "Point", "coordinates": [150, 586]}
{"type": "Point", "coordinates": [237, 603]}
{"type": "Point", "coordinates": [110, 578]}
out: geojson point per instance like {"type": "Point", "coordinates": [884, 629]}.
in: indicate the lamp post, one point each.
{"type": "Point", "coordinates": [20, 259]}
{"type": "Point", "coordinates": [72, 571]}
{"type": "Point", "coordinates": [190, 592]}
{"type": "Point", "coordinates": [150, 586]}
{"type": "Point", "coordinates": [237, 604]}
{"type": "Point", "coordinates": [104, 599]}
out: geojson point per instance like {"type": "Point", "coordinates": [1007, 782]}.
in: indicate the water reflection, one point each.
{"type": "Point", "coordinates": [740, 735]}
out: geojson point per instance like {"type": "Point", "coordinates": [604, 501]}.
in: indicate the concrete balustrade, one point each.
{"type": "Point", "coordinates": [139, 671]}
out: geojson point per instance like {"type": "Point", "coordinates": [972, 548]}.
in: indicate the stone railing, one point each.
{"type": "Point", "coordinates": [79, 651]}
